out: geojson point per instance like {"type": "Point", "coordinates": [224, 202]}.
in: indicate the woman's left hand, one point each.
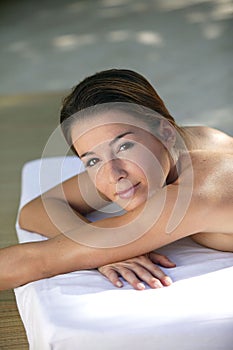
{"type": "Point", "coordinates": [138, 270]}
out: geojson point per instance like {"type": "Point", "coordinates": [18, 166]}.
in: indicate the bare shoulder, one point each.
{"type": "Point", "coordinates": [213, 182]}
{"type": "Point", "coordinates": [217, 136]}
{"type": "Point", "coordinates": [209, 138]}
{"type": "Point", "coordinates": [200, 130]}
{"type": "Point", "coordinates": [207, 164]}
{"type": "Point", "coordinates": [213, 169]}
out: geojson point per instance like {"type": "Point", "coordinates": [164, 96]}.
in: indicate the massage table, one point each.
{"type": "Point", "coordinates": [82, 310]}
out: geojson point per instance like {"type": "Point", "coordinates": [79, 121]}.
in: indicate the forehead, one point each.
{"type": "Point", "coordinates": [104, 127]}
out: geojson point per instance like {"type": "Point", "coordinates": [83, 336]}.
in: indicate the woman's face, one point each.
{"type": "Point", "coordinates": [123, 159]}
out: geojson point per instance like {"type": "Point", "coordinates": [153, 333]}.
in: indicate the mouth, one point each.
{"type": "Point", "coordinates": [128, 193]}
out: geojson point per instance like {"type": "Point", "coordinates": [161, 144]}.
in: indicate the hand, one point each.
{"type": "Point", "coordinates": [138, 269]}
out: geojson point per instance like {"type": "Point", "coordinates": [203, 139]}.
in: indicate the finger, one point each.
{"type": "Point", "coordinates": [161, 260]}
{"type": "Point", "coordinates": [147, 276]}
{"type": "Point", "coordinates": [158, 273]}
{"type": "Point", "coordinates": [131, 278]}
{"type": "Point", "coordinates": [112, 275]}
{"type": "Point", "coordinates": [155, 271]}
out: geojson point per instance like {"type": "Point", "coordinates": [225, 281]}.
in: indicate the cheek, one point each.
{"type": "Point", "coordinates": [100, 181]}
{"type": "Point", "coordinates": [153, 171]}
{"type": "Point", "coordinates": [94, 176]}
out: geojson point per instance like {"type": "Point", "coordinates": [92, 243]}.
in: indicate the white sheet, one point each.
{"type": "Point", "coordinates": [83, 311]}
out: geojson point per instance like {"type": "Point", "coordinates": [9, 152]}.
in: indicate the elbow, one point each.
{"type": "Point", "coordinates": [23, 217]}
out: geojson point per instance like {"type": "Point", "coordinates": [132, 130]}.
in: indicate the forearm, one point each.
{"type": "Point", "coordinates": [32, 261]}
{"type": "Point", "coordinates": [151, 218]}
{"type": "Point", "coordinates": [147, 224]}
{"type": "Point", "coordinates": [28, 262]}
{"type": "Point", "coordinates": [20, 264]}
{"type": "Point", "coordinates": [119, 238]}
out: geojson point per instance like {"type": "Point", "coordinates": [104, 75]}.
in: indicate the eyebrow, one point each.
{"type": "Point", "coordinates": [110, 143]}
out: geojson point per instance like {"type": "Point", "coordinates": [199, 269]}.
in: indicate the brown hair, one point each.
{"type": "Point", "coordinates": [110, 86]}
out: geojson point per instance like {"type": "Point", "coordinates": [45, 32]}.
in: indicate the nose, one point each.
{"type": "Point", "coordinates": [114, 171]}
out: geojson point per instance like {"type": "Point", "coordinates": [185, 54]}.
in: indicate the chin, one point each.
{"type": "Point", "coordinates": [132, 204]}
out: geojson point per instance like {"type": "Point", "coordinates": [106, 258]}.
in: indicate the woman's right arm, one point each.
{"type": "Point", "coordinates": [32, 261]}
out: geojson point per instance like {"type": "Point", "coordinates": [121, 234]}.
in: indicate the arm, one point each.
{"type": "Point", "coordinates": [32, 261]}
{"type": "Point", "coordinates": [62, 207]}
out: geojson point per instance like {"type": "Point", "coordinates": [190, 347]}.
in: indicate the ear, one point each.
{"type": "Point", "coordinates": [167, 133]}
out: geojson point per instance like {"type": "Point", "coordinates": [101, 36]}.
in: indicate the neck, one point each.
{"type": "Point", "coordinates": [174, 167]}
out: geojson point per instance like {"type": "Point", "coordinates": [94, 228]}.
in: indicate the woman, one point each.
{"type": "Point", "coordinates": [173, 182]}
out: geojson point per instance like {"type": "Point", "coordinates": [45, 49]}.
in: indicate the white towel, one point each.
{"type": "Point", "coordinates": [83, 311]}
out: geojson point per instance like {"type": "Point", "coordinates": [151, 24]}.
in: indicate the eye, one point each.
{"type": "Point", "coordinates": [91, 162]}
{"type": "Point", "coordinates": [125, 146]}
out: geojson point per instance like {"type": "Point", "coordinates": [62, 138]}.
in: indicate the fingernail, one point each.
{"type": "Point", "coordinates": [119, 284]}
{"type": "Point", "coordinates": [140, 286]}
{"type": "Point", "coordinates": [157, 284]}
{"type": "Point", "coordinates": [167, 281]}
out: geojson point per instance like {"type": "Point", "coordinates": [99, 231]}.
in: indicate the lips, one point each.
{"type": "Point", "coordinates": [128, 193]}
